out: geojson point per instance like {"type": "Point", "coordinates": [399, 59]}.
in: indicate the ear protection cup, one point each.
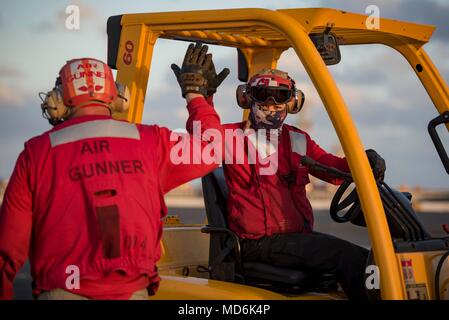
{"type": "Point", "coordinates": [243, 99]}
{"type": "Point", "coordinates": [296, 102]}
{"type": "Point", "coordinates": [53, 107]}
{"type": "Point", "coordinates": [122, 102]}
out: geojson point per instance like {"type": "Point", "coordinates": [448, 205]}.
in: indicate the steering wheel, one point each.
{"type": "Point", "coordinates": [354, 214]}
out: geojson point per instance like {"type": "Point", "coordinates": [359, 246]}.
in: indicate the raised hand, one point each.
{"type": "Point", "coordinates": [214, 80]}
{"type": "Point", "coordinates": [192, 74]}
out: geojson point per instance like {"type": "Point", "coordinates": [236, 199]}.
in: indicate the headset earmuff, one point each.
{"type": "Point", "coordinates": [53, 107]}
{"type": "Point", "coordinates": [297, 100]}
{"type": "Point", "coordinates": [243, 99]}
{"type": "Point", "coordinates": [122, 101]}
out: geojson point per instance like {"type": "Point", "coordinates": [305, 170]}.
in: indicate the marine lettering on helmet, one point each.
{"type": "Point", "coordinates": [84, 74]}
{"type": "Point", "coordinates": [263, 82]}
{"type": "Point", "coordinates": [85, 65]}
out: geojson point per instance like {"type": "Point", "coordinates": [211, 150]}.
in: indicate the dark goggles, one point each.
{"type": "Point", "coordinates": [278, 94]}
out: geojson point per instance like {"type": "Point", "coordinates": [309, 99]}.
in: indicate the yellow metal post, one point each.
{"type": "Point", "coordinates": [390, 275]}
{"type": "Point", "coordinates": [427, 73]}
{"type": "Point", "coordinates": [134, 62]}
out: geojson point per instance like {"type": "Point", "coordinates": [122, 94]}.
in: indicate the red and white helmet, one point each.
{"type": "Point", "coordinates": [271, 84]}
{"type": "Point", "coordinates": [271, 78]}
{"type": "Point", "coordinates": [83, 83]}
{"type": "Point", "coordinates": [85, 80]}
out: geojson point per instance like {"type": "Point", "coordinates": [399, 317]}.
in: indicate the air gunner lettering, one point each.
{"type": "Point", "coordinates": [107, 167]}
{"type": "Point", "coordinates": [95, 147]}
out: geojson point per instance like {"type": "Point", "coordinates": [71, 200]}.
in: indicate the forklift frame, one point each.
{"type": "Point", "coordinates": [262, 35]}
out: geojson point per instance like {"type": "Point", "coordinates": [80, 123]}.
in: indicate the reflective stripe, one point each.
{"type": "Point", "coordinates": [95, 129]}
{"type": "Point", "coordinates": [298, 142]}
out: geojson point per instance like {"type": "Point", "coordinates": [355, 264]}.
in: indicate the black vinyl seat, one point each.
{"type": "Point", "coordinates": [225, 261]}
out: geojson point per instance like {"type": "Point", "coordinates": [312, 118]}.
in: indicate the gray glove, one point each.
{"type": "Point", "coordinates": [377, 164]}
{"type": "Point", "coordinates": [192, 75]}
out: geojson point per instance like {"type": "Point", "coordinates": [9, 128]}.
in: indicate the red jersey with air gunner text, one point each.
{"type": "Point", "coordinates": [89, 193]}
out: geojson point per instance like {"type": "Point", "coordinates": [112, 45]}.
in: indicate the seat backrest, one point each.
{"type": "Point", "coordinates": [215, 192]}
{"type": "Point", "coordinates": [223, 264]}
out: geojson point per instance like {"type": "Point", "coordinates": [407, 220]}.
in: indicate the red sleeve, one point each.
{"type": "Point", "coordinates": [210, 100]}
{"type": "Point", "coordinates": [15, 226]}
{"type": "Point", "coordinates": [184, 157]}
{"type": "Point", "coordinates": [202, 110]}
{"type": "Point", "coordinates": [318, 154]}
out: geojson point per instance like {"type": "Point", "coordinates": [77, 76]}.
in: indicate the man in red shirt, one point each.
{"type": "Point", "coordinates": [86, 198]}
{"type": "Point", "coordinates": [267, 202]}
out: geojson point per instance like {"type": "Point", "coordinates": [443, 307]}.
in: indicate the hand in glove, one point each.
{"type": "Point", "coordinates": [192, 75]}
{"type": "Point", "coordinates": [214, 80]}
{"type": "Point", "coordinates": [377, 164]}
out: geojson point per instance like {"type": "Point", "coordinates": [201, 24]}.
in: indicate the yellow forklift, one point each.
{"type": "Point", "coordinates": [202, 261]}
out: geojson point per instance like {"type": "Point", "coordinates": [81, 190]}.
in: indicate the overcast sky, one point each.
{"type": "Point", "coordinates": [390, 107]}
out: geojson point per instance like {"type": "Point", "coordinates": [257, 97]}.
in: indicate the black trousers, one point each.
{"type": "Point", "coordinates": [313, 252]}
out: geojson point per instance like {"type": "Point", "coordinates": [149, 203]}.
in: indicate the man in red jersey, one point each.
{"type": "Point", "coordinates": [85, 200]}
{"type": "Point", "coordinates": [267, 203]}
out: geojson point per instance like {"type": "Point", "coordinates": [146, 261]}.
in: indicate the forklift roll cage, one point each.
{"type": "Point", "coordinates": [261, 36]}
